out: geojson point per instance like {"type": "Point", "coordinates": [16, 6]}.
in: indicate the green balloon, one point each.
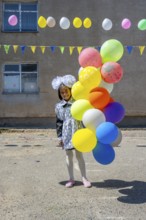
{"type": "Point", "coordinates": [111, 50]}
{"type": "Point", "coordinates": [142, 25]}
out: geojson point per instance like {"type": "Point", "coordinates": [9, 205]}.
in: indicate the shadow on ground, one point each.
{"type": "Point", "coordinates": [133, 192]}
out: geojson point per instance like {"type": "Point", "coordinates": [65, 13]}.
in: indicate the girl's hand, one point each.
{"type": "Point", "coordinates": [61, 144]}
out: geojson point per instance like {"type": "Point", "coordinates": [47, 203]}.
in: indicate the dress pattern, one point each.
{"type": "Point", "coordinates": [69, 124]}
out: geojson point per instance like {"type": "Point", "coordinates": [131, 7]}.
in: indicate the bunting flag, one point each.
{"type": "Point", "coordinates": [22, 48]}
{"type": "Point", "coordinates": [53, 48]}
{"type": "Point", "coordinates": [6, 47]}
{"type": "Point", "coordinates": [141, 49]}
{"type": "Point", "coordinates": [71, 48]}
{"type": "Point", "coordinates": [15, 47]}
{"type": "Point", "coordinates": [129, 49]}
{"type": "Point", "coordinates": [62, 49]}
{"type": "Point", "coordinates": [79, 49]}
{"type": "Point", "coordinates": [33, 48]}
{"type": "Point", "coordinates": [43, 48]}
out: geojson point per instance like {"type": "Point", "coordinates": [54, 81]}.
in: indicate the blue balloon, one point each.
{"type": "Point", "coordinates": [107, 132]}
{"type": "Point", "coordinates": [104, 153]}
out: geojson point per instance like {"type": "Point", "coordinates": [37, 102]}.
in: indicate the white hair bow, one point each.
{"type": "Point", "coordinates": [67, 80]}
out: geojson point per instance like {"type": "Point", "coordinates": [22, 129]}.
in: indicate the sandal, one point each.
{"type": "Point", "coordinates": [86, 183]}
{"type": "Point", "coordinates": [70, 183]}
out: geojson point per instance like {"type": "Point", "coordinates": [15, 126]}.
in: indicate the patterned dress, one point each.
{"type": "Point", "coordinates": [66, 125]}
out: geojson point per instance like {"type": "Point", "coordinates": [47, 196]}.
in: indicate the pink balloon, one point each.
{"type": "Point", "coordinates": [126, 23]}
{"type": "Point", "coordinates": [111, 72]}
{"type": "Point", "coordinates": [12, 20]}
{"type": "Point", "coordinates": [90, 57]}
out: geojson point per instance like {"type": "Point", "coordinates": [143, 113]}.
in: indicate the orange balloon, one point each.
{"type": "Point", "coordinates": [99, 97]}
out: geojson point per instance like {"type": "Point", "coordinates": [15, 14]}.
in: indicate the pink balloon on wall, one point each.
{"type": "Point", "coordinates": [13, 20]}
{"type": "Point", "coordinates": [126, 23]}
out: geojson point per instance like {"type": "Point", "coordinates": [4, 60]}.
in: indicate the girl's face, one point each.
{"type": "Point", "coordinates": [65, 92]}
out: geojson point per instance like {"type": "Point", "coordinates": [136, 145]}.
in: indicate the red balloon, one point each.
{"type": "Point", "coordinates": [99, 97]}
{"type": "Point", "coordinates": [111, 72]}
{"type": "Point", "coordinates": [90, 57]}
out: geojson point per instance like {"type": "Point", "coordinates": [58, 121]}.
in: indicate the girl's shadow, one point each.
{"type": "Point", "coordinates": [135, 192]}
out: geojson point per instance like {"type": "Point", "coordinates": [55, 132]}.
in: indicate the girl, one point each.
{"type": "Point", "coordinates": [66, 126]}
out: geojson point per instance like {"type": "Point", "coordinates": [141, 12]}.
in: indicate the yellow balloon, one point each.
{"type": "Point", "coordinates": [79, 91]}
{"type": "Point", "coordinates": [79, 107]}
{"type": "Point", "coordinates": [77, 22]}
{"type": "Point", "coordinates": [84, 140]}
{"type": "Point", "coordinates": [87, 22]}
{"type": "Point", "coordinates": [90, 77]}
{"type": "Point", "coordinates": [42, 22]}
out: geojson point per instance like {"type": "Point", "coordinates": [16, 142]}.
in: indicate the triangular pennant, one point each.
{"type": "Point", "coordinates": [15, 47]}
{"type": "Point", "coordinates": [43, 48]}
{"type": "Point", "coordinates": [98, 48]}
{"type": "Point", "coordinates": [33, 48]}
{"type": "Point", "coordinates": [79, 49]}
{"type": "Point", "coordinates": [53, 48]}
{"type": "Point", "coordinates": [7, 47]}
{"type": "Point", "coordinates": [141, 49]}
{"type": "Point", "coordinates": [129, 49]}
{"type": "Point", "coordinates": [62, 49]}
{"type": "Point", "coordinates": [71, 48]}
{"type": "Point", "coordinates": [22, 48]}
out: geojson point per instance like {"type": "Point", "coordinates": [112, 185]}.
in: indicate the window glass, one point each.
{"type": "Point", "coordinates": [11, 7]}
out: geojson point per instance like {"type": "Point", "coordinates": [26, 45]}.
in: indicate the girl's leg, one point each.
{"type": "Point", "coordinates": [82, 168]}
{"type": "Point", "coordinates": [69, 163]}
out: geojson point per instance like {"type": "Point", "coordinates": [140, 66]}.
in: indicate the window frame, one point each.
{"type": "Point", "coordinates": [21, 92]}
{"type": "Point", "coordinates": [19, 11]}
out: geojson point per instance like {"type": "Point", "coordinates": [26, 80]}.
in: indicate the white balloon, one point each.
{"type": "Point", "coordinates": [80, 70]}
{"type": "Point", "coordinates": [64, 23]}
{"type": "Point", "coordinates": [93, 118]}
{"type": "Point", "coordinates": [108, 86]}
{"type": "Point", "coordinates": [51, 22]}
{"type": "Point", "coordinates": [118, 139]}
{"type": "Point", "coordinates": [107, 24]}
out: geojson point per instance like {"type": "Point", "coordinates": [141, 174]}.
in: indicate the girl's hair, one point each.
{"type": "Point", "coordinates": [59, 96]}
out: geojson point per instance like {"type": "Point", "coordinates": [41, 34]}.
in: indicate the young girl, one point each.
{"type": "Point", "coordinates": [66, 125]}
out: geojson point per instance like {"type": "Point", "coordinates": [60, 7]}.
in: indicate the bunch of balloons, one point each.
{"type": "Point", "coordinates": [93, 104]}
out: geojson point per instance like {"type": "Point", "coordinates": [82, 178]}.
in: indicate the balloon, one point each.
{"type": "Point", "coordinates": [77, 22]}
{"type": "Point", "coordinates": [93, 118]}
{"type": "Point", "coordinates": [111, 72]}
{"type": "Point", "coordinates": [42, 22]}
{"type": "Point", "coordinates": [118, 139]}
{"type": "Point", "coordinates": [142, 24]}
{"type": "Point", "coordinates": [79, 107]}
{"type": "Point", "coordinates": [111, 50]}
{"type": "Point", "coordinates": [107, 24]}
{"type": "Point", "coordinates": [104, 153]}
{"type": "Point", "coordinates": [114, 112]}
{"type": "Point", "coordinates": [84, 140]}
{"type": "Point", "coordinates": [126, 23]}
{"type": "Point", "coordinates": [108, 86]}
{"type": "Point", "coordinates": [79, 91]}
{"type": "Point", "coordinates": [87, 22]}
{"type": "Point", "coordinates": [64, 23]}
{"type": "Point", "coordinates": [13, 20]}
{"type": "Point", "coordinates": [51, 22]}
{"type": "Point", "coordinates": [99, 97]}
{"type": "Point", "coordinates": [90, 77]}
{"type": "Point", "coordinates": [107, 132]}
{"type": "Point", "coordinates": [90, 57]}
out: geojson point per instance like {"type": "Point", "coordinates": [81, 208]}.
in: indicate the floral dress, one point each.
{"type": "Point", "coordinates": [66, 125]}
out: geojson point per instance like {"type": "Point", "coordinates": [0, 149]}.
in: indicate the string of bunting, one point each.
{"type": "Point", "coordinates": [33, 48]}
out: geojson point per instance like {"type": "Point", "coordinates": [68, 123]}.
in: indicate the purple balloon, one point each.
{"type": "Point", "coordinates": [114, 112]}
{"type": "Point", "coordinates": [126, 23]}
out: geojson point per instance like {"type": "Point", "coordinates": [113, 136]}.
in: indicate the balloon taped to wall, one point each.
{"type": "Point", "coordinates": [94, 105]}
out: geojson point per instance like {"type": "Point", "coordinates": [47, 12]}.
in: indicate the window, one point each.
{"type": "Point", "coordinates": [24, 17]}
{"type": "Point", "coordinates": [20, 78]}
